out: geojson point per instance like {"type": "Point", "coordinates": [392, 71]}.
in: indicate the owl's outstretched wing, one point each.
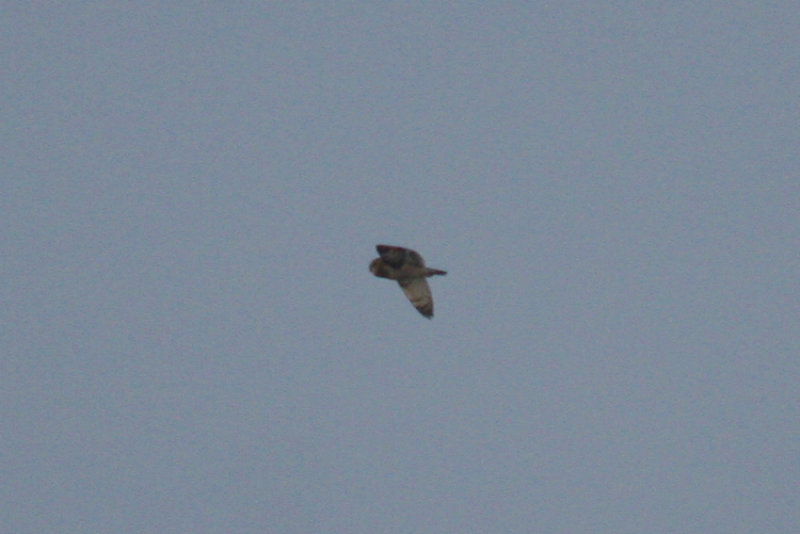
{"type": "Point", "coordinates": [419, 293]}
{"type": "Point", "coordinates": [394, 257]}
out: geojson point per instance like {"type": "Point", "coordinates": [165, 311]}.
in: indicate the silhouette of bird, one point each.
{"type": "Point", "coordinates": [408, 268]}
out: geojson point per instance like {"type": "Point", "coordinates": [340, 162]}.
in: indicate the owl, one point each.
{"type": "Point", "coordinates": [408, 268]}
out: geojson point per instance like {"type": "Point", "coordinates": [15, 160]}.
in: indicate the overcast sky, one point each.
{"type": "Point", "coordinates": [191, 341]}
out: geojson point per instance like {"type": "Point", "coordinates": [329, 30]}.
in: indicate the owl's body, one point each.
{"type": "Point", "coordinates": [408, 268]}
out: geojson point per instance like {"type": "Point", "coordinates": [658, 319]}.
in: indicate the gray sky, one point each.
{"type": "Point", "coordinates": [192, 342]}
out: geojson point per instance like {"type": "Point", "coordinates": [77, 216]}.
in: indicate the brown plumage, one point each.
{"type": "Point", "coordinates": [408, 268]}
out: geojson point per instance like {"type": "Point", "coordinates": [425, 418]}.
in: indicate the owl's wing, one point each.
{"type": "Point", "coordinates": [414, 259]}
{"type": "Point", "coordinates": [419, 293]}
{"type": "Point", "coordinates": [394, 257]}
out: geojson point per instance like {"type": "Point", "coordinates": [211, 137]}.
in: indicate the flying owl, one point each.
{"type": "Point", "coordinates": [408, 268]}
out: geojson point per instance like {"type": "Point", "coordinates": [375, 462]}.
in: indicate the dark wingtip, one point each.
{"type": "Point", "coordinates": [425, 313]}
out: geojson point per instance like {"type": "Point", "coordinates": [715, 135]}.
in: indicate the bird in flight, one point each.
{"type": "Point", "coordinates": [408, 268]}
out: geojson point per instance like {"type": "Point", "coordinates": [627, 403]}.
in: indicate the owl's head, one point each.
{"type": "Point", "coordinates": [378, 268]}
